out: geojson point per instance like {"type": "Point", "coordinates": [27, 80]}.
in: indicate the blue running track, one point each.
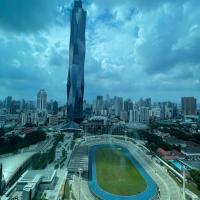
{"type": "Point", "coordinates": [149, 193]}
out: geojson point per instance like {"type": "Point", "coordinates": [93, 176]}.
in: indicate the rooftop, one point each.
{"type": "Point", "coordinates": [173, 140]}
{"type": "Point", "coordinates": [98, 118]}
{"type": "Point", "coordinates": [12, 163]}
{"type": "Point", "coordinates": [32, 175]}
{"type": "Point", "coordinates": [191, 150]}
{"type": "Point", "coordinates": [192, 164]}
{"type": "Point", "coordinates": [71, 125]}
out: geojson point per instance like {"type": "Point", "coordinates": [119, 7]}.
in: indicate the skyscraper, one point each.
{"type": "Point", "coordinates": [99, 105]}
{"type": "Point", "coordinates": [42, 100]}
{"type": "Point", "coordinates": [75, 82]}
{"type": "Point", "coordinates": [118, 105]}
{"type": "Point", "coordinates": [189, 106]}
{"type": "Point", "coordinates": [8, 103]}
{"type": "Point", "coordinates": [1, 173]}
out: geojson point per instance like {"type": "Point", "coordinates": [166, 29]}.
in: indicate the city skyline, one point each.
{"type": "Point", "coordinates": [90, 101]}
{"type": "Point", "coordinates": [144, 41]}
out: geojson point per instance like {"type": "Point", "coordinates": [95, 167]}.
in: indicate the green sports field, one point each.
{"type": "Point", "coordinates": [116, 173]}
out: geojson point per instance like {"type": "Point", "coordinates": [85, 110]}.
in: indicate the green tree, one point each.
{"type": "Point", "coordinates": [195, 174]}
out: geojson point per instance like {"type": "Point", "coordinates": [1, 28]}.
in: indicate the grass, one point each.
{"type": "Point", "coordinates": [66, 195]}
{"type": "Point", "coordinates": [193, 188]}
{"type": "Point", "coordinates": [66, 190]}
{"type": "Point", "coordinates": [116, 173]}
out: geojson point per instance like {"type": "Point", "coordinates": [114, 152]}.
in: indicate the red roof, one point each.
{"type": "Point", "coordinates": [162, 152]}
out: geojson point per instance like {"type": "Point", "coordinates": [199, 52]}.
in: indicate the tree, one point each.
{"type": "Point", "coordinates": [195, 174]}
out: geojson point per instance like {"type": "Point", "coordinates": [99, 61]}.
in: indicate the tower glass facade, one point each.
{"type": "Point", "coordinates": [75, 82]}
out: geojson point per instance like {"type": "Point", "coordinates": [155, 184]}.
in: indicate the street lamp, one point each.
{"type": "Point", "coordinates": [125, 135]}
{"type": "Point", "coordinates": [183, 167]}
{"type": "Point", "coordinates": [85, 135]}
{"type": "Point", "coordinates": [80, 171]}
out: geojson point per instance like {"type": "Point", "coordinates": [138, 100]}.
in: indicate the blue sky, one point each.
{"type": "Point", "coordinates": [135, 48]}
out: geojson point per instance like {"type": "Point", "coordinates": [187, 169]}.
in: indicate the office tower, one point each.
{"type": "Point", "coordinates": [124, 116]}
{"type": "Point", "coordinates": [42, 100]}
{"type": "Point", "coordinates": [22, 105]}
{"type": "Point", "coordinates": [118, 105]}
{"type": "Point", "coordinates": [134, 116]}
{"type": "Point", "coordinates": [8, 102]}
{"type": "Point", "coordinates": [145, 102]}
{"type": "Point", "coordinates": [156, 112]}
{"type": "Point", "coordinates": [1, 173]}
{"type": "Point", "coordinates": [75, 82]}
{"type": "Point", "coordinates": [99, 105]}
{"type": "Point", "coordinates": [144, 114]}
{"type": "Point", "coordinates": [15, 106]}
{"type": "Point", "coordinates": [128, 105]}
{"type": "Point", "coordinates": [148, 102]}
{"type": "Point", "coordinates": [30, 105]}
{"type": "Point", "coordinates": [188, 106]}
{"type": "Point", "coordinates": [55, 108]}
{"type": "Point", "coordinates": [27, 118]}
{"type": "Point", "coordinates": [52, 107]}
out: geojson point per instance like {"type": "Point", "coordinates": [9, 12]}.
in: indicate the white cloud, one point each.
{"type": "Point", "coordinates": [140, 48]}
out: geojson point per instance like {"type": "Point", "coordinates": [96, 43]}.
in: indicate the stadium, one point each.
{"type": "Point", "coordinates": [113, 167]}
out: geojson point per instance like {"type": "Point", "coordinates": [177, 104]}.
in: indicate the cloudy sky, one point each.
{"type": "Point", "coordinates": [135, 48]}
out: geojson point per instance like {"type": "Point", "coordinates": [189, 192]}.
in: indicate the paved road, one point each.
{"type": "Point", "coordinates": [85, 191]}
{"type": "Point", "coordinates": [168, 187]}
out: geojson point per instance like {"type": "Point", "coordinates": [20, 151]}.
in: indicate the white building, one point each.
{"type": "Point", "coordinates": [134, 115]}
{"type": "Point", "coordinates": [144, 114]}
{"type": "Point", "coordinates": [42, 100]}
{"type": "Point", "coordinates": [155, 112]}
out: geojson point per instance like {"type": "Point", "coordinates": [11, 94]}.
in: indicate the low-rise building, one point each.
{"type": "Point", "coordinates": [191, 153]}
{"type": "Point", "coordinates": [34, 181]}
{"type": "Point", "coordinates": [97, 125]}
{"type": "Point", "coordinates": [53, 120]}
{"type": "Point", "coordinates": [174, 141]}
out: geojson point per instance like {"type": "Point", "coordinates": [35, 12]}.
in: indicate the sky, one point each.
{"type": "Point", "coordinates": [134, 48]}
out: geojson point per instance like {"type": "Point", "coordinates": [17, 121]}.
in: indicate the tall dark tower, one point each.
{"type": "Point", "coordinates": [1, 173]}
{"type": "Point", "coordinates": [75, 82]}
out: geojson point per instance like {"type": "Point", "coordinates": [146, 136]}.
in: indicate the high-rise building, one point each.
{"type": "Point", "coordinates": [52, 107]}
{"type": "Point", "coordinates": [42, 100]}
{"type": "Point", "coordinates": [145, 102]}
{"type": "Point", "coordinates": [55, 107]}
{"type": "Point", "coordinates": [118, 105]}
{"type": "Point", "coordinates": [1, 174]}
{"type": "Point", "coordinates": [144, 114]}
{"type": "Point", "coordinates": [156, 112]}
{"type": "Point", "coordinates": [99, 105]}
{"type": "Point", "coordinates": [124, 116]}
{"type": "Point", "coordinates": [188, 106]}
{"type": "Point", "coordinates": [75, 83]}
{"type": "Point", "coordinates": [128, 105]}
{"type": "Point", "coordinates": [134, 115]}
{"type": "Point", "coordinates": [22, 105]}
{"type": "Point", "coordinates": [24, 118]}
{"type": "Point", "coordinates": [8, 103]}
